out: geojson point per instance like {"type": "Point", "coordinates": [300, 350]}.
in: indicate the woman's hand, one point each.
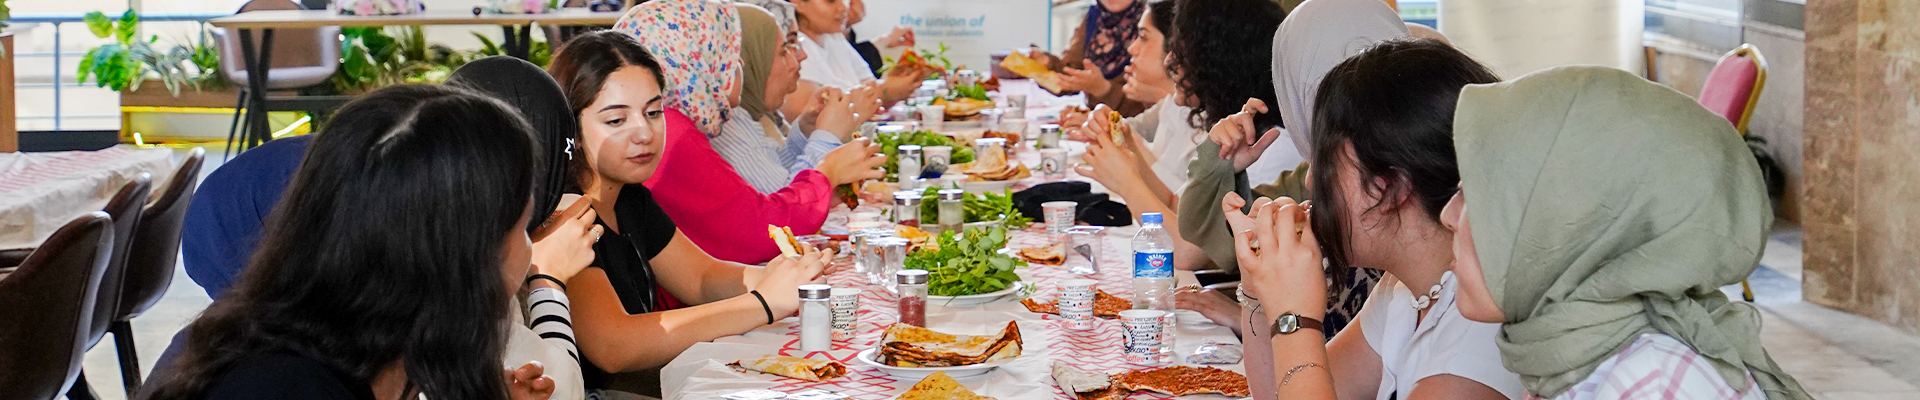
{"type": "Point", "coordinates": [1211, 304]}
{"type": "Point", "coordinates": [865, 101]}
{"type": "Point", "coordinates": [1235, 134]}
{"type": "Point", "coordinates": [1137, 91]}
{"type": "Point", "coordinates": [1279, 257]}
{"type": "Point", "coordinates": [1090, 79]}
{"type": "Point", "coordinates": [1074, 124]}
{"type": "Point", "coordinates": [855, 161]}
{"type": "Point", "coordinates": [780, 286]}
{"type": "Point", "coordinates": [570, 233]}
{"type": "Point", "coordinates": [1109, 163]}
{"type": "Point", "coordinates": [836, 114]}
{"type": "Point", "coordinates": [529, 382]}
{"type": "Point", "coordinates": [901, 35]}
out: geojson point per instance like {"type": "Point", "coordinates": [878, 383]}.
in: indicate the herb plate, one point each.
{"type": "Point", "coordinates": [975, 299]}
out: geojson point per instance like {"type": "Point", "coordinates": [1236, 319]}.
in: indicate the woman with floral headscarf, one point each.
{"type": "Point", "coordinates": [698, 46]}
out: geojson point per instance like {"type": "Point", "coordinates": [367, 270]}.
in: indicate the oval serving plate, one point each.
{"type": "Point", "coordinates": [974, 299]}
{"type": "Point", "coordinates": [871, 358]}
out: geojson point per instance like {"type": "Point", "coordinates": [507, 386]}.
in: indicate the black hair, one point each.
{"type": "Point", "coordinates": [1394, 104]}
{"type": "Point", "coordinates": [1162, 19]}
{"type": "Point", "coordinates": [582, 66]}
{"type": "Point", "coordinates": [1222, 51]}
{"type": "Point", "coordinates": [530, 90]}
{"type": "Point", "coordinates": [387, 247]}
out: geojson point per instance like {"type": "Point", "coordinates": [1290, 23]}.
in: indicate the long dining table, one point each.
{"type": "Point", "coordinates": [701, 372]}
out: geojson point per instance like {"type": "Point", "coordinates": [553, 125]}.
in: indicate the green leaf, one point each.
{"type": "Point", "coordinates": [129, 23]}
{"type": "Point", "coordinates": [99, 24]}
{"type": "Point", "coordinates": [86, 67]}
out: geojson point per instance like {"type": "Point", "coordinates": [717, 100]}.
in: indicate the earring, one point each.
{"type": "Point", "coordinates": [569, 149]}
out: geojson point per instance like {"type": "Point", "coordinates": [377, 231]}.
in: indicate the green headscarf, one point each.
{"type": "Point", "coordinates": [760, 39]}
{"type": "Point", "coordinates": [1605, 206]}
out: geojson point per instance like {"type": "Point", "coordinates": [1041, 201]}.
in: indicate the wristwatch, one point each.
{"type": "Point", "coordinates": [1289, 323]}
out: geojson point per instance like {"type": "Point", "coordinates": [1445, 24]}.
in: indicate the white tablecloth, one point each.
{"type": "Point", "coordinates": [40, 192]}
{"type": "Point", "coordinates": [701, 371]}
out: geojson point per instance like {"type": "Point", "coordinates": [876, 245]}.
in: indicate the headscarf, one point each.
{"type": "Point", "coordinates": [1315, 37]}
{"type": "Point", "coordinates": [698, 43]}
{"type": "Point", "coordinates": [539, 99]}
{"type": "Point", "coordinates": [760, 40]}
{"type": "Point", "coordinates": [1604, 207]}
{"type": "Point", "coordinates": [1108, 34]}
{"type": "Point", "coordinates": [781, 9]}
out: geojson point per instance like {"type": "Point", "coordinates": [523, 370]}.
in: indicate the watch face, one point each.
{"type": "Point", "coordinates": [1288, 323]}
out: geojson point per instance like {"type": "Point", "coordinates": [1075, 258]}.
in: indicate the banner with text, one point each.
{"type": "Point", "coordinates": [971, 29]}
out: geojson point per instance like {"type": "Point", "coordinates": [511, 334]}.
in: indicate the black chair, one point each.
{"type": "Point", "coordinates": [49, 299]}
{"type": "Point", "coordinates": [150, 263]}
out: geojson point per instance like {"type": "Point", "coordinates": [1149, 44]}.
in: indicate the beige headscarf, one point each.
{"type": "Point", "coordinates": [760, 40]}
{"type": "Point", "coordinates": [1316, 36]}
{"type": "Point", "coordinates": [1605, 206]}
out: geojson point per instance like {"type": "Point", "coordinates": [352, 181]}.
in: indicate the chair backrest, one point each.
{"type": "Point", "coordinates": [291, 47]}
{"type": "Point", "coordinates": [156, 244]}
{"type": "Point", "coordinates": [1733, 87]}
{"type": "Point", "coordinates": [43, 333]}
{"type": "Point", "coordinates": [125, 209]}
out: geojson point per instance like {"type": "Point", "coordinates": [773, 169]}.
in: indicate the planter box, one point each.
{"type": "Point", "coordinates": [154, 94]}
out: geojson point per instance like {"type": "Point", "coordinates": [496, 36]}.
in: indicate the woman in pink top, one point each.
{"type": "Point", "coordinates": [698, 43]}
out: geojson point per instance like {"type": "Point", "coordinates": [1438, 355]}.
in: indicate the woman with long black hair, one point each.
{"type": "Point", "coordinates": [387, 271]}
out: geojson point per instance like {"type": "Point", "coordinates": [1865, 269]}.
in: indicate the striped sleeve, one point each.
{"type": "Point", "coordinates": [742, 144]}
{"type": "Point", "coordinates": [805, 152]}
{"type": "Point", "coordinates": [551, 319]}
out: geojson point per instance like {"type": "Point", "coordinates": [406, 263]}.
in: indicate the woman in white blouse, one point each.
{"type": "Point", "coordinates": [833, 62]}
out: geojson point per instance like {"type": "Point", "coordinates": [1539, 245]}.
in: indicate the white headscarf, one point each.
{"type": "Point", "coordinates": [1316, 36]}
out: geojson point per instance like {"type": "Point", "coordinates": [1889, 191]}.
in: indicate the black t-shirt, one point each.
{"type": "Point", "coordinates": [644, 231]}
{"type": "Point", "coordinates": [283, 375]}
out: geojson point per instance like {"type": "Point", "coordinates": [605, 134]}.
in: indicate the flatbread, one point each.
{"type": "Point", "coordinates": [794, 367]}
{"type": "Point", "coordinates": [783, 237]}
{"type": "Point", "coordinates": [1053, 254]}
{"type": "Point", "coordinates": [1104, 305]}
{"type": "Point", "coordinates": [940, 386]}
{"type": "Point", "coordinates": [1185, 381]}
{"type": "Point", "coordinates": [1019, 64]}
{"type": "Point", "coordinates": [911, 346]}
{"type": "Point", "coordinates": [1116, 126]}
{"type": "Point", "coordinates": [1085, 385]}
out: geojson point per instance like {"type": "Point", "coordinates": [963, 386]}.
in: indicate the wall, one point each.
{"type": "Point", "coordinates": [1862, 158]}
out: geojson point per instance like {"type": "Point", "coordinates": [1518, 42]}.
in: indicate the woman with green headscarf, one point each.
{"type": "Point", "coordinates": [1607, 211]}
{"type": "Point", "coordinates": [756, 139]}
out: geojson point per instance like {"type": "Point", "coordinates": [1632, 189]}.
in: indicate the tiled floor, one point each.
{"type": "Point", "coordinates": [1835, 355]}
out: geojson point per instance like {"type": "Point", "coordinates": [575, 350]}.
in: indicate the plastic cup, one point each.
{"type": "Point", "coordinates": [1059, 215]}
{"type": "Point", "coordinates": [1053, 163]}
{"type": "Point", "coordinates": [932, 115]}
{"type": "Point", "coordinates": [1075, 300]}
{"type": "Point", "coordinates": [1142, 336]}
{"type": "Point", "coordinates": [846, 305]}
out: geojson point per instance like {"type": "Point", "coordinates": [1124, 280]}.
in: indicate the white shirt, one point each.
{"type": "Point", "coordinates": [1658, 366]}
{"type": "Point", "coordinates": [1171, 138]}
{"type": "Point", "coordinates": [833, 62]}
{"type": "Point", "coordinates": [1445, 343]}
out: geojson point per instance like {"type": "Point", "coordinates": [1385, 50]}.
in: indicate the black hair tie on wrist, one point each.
{"type": "Point", "coordinates": [763, 305]}
{"type": "Point", "coordinates": [556, 281]}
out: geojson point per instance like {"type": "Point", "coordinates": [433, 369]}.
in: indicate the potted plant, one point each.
{"type": "Point", "coordinates": [189, 73]}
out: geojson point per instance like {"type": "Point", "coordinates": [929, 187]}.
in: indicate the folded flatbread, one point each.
{"type": "Point", "coordinates": [940, 386]}
{"type": "Point", "coordinates": [1085, 385]}
{"type": "Point", "coordinates": [1018, 63]}
{"type": "Point", "coordinates": [911, 346]}
{"type": "Point", "coordinates": [1053, 254]}
{"type": "Point", "coordinates": [1116, 127]}
{"type": "Point", "coordinates": [794, 367]}
{"type": "Point", "coordinates": [1104, 305]}
{"type": "Point", "coordinates": [1185, 381]}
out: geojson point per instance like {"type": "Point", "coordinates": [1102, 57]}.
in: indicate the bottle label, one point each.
{"type": "Point", "coordinates": [1152, 264]}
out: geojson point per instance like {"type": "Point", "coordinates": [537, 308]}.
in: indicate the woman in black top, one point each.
{"type": "Point", "coordinates": [627, 311]}
{"type": "Point", "coordinates": [386, 270]}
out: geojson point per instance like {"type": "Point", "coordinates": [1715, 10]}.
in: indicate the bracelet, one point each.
{"type": "Point", "coordinates": [1289, 377]}
{"type": "Point", "coordinates": [763, 305]}
{"type": "Point", "coordinates": [556, 281]}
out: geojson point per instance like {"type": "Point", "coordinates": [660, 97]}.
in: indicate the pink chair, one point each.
{"type": "Point", "coordinates": [1733, 87]}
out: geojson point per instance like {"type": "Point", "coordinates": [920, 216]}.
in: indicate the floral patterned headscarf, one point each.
{"type": "Point", "coordinates": [698, 44]}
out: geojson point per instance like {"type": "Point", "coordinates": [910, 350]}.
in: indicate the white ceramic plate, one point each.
{"type": "Point", "coordinates": [973, 299]}
{"type": "Point", "coordinates": [871, 357]}
{"type": "Point", "coordinates": [986, 186]}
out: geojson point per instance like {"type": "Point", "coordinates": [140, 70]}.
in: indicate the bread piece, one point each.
{"type": "Point", "coordinates": [940, 386]}
{"type": "Point", "coordinates": [794, 367]}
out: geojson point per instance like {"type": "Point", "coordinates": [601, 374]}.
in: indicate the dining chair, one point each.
{"type": "Point", "coordinates": [1733, 86]}
{"type": "Point", "coordinates": [150, 261]}
{"type": "Point", "coordinates": [301, 58]}
{"type": "Point", "coordinates": [124, 208]}
{"type": "Point", "coordinates": [49, 299]}
{"type": "Point", "coordinates": [1732, 90]}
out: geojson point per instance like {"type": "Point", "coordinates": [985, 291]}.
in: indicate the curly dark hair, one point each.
{"type": "Point", "coordinates": [1222, 52]}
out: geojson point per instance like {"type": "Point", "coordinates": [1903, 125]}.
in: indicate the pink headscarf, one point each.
{"type": "Point", "coordinates": [698, 44]}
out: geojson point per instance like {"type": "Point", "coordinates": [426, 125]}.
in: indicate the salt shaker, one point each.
{"type": "Point", "coordinates": [913, 296]}
{"type": "Point", "coordinates": [909, 165]}
{"type": "Point", "coordinates": [816, 318]}
{"type": "Point", "coordinates": [952, 214]}
{"type": "Point", "coordinates": [1049, 137]}
{"type": "Point", "coordinates": [906, 208]}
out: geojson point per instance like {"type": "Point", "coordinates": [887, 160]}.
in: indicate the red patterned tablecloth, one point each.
{"type": "Point", "coordinates": [700, 372]}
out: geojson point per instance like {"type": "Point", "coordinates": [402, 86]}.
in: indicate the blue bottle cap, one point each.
{"type": "Point", "coordinates": [1150, 218]}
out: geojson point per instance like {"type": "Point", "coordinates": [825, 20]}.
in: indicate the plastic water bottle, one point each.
{"type": "Point", "coordinates": [1153, 276]}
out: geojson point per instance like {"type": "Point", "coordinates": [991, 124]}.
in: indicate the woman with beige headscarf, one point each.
{"type": "Point", "coordinates": [1606, 213]}
{"type": "Point", "coordinates": [756, 139]}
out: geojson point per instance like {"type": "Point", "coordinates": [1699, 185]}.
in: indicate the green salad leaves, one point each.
{"type": "Point", "coordinates": [978, 207]}
{"type": "Point", "coordinates": [967, 263]}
